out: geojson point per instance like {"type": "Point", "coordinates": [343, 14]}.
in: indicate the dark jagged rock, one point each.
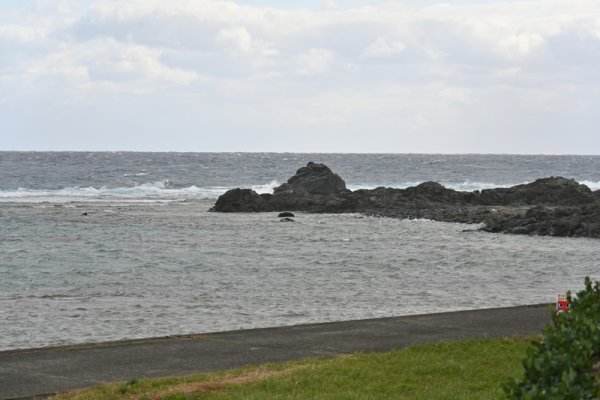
{"type": "Point", "coordinates": [545, 191]}
{"type": "Point", "coordinates": [314, 178]}
{"type": "Point", "coordinates": [240, 200]}
{"type": "Point", "coordinates": [286, 214]}
{"type": "Point", "coordinates": [561, 221]}
{"type": "Point", "coordinates": [432, 192]}
{"type": "Point", "coordinates": [462, 214]}
{"type": "Point", "coordinates": [550, 206]}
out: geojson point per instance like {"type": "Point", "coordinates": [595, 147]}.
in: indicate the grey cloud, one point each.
{"type": "Point", "coordinates": [178, 32]}
{"type": "Point", "coordinates": [457, 78]}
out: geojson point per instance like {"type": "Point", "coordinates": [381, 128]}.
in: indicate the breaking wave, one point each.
{"type": "Point", "coordinates": [591, 184]}
{"type": "Point", "coordinates": [466, 186]}
{"type": "Point", "coordinates": [159, 191]}
{"type": "Point", "coordinates": [164, 191]}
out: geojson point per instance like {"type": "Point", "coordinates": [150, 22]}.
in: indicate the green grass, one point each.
{"type": "Point", "coordinates": [473, 369]}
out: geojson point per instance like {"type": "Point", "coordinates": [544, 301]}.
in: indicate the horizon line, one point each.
{"type": "Point", "coordinates": [298, 152]}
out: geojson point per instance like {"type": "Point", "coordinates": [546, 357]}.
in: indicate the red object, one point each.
{"type": "Point", "coordinates": [562, 304]}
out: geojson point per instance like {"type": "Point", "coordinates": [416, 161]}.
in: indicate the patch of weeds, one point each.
{"type": "Point", "coordinates": [177, 396]}
{"type": "Point", "coordinates": [126, 387]}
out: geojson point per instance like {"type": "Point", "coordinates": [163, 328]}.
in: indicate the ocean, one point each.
{"type": "Point", "coordinates": [98, 246]}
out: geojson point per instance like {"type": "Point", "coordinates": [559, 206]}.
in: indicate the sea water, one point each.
{"type": "Point", "coordinates": [106, 246]}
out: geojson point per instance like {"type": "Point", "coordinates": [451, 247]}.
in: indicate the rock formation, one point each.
{"type": "Point", "coordinates": [236, 200]}
{"type": "Point", "coordinates": [286, 214]}
{"type": "Point", "coordinates": [554, 206]}
{"type": "Point", "coordinates": [545, 191]}
{"type": "Point", "coordinates": [314, 178]}
{"type": "Point", "coordinates": [552, 221]}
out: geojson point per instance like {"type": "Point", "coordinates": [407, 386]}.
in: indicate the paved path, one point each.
{"type": "Point", "coordinates": [35, 372]}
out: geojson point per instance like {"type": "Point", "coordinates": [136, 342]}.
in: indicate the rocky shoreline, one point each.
{"type": "Point", "coordinates": [553, 206]}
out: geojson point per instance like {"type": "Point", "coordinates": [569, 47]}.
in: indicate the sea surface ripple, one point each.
{"type": "Point", "coordinates": [139, 270]}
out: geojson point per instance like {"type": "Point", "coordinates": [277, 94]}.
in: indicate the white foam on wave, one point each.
{"type": "Point", "coordinates": [136, 174]}
{"type": "Point", "coordinates": [147, 192]}
{"type": "Point", "coordinates": [162, 191]}
{"type": "Point", "coordinates": [266, 188]}
{"type": "Point", "coordinates": [591, 184]}
{"type": "Point", "coordinates": [366, 186]}
{"type": "Point", "coordinates": [159, 191]}
{"type": "Point", "coordinates": [466, 186]}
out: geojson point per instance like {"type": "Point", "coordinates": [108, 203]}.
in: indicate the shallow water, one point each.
{"type": "Point", "coordinates": [131, 270]}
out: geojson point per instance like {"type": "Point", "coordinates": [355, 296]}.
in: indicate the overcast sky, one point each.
{"type": "Point", "coordinates": [467, 76]}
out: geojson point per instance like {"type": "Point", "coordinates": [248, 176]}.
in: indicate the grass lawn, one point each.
{"type": "Point", "coordinates": [473, 369]}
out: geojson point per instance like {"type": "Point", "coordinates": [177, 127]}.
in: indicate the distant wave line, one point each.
{"type": "Point", "coordinates": [163, 191]}
{"type": "Point", "coordinates": [466, 186]}
{"type": "Point", "coordinates": [159, 190]}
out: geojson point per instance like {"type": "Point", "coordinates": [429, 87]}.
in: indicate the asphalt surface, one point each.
{"type": "Point", "coordinates": [36, 373]}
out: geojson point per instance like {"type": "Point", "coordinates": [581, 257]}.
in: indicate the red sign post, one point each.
{"type": "Point", "coordinates": [562, 304]}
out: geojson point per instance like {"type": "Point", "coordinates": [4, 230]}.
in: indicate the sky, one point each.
{"type": "Point", "coordinates": [470, 76]}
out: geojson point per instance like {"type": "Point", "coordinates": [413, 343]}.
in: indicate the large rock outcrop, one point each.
{"type": "Point", "coordinates": [240, 200]}
{"type": "Point", "coordinates": [549, 206]}
{"type": "Point", "coordinates": [314, 178]}
{"type": "Point", "coordinates": [546, 191]}
{"type": "Point", "coordinates": [551, 221]}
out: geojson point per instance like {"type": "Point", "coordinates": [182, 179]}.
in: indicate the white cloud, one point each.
{"type": "Point", "coordinates": [239, 40]}
{"type": "Point", "coordinates": [20, 33]}
{"type": "Point", "coordinates": [520, 44]}
{"type": "Point", "coordinates": [108, 63]}
{"type": "Point", "coordinates": [59, 6]}
{"type": "Point", "coordinates": [314, 61]}
{"type": "Point", "coordinates": [138, 61]}
{"type": "Point", "coordinates": [238, 37]}
{"type": "Point", "coordinates": [419, 69]}
{"type": "Point", "coordinates": [383, 47]}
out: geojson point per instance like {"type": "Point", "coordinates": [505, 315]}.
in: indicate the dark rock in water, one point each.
{"type": "Point", "coordinates": [553, 206]}
{"type": "Point", "coordinates": [314, 178]}
{"type": "Point", "coordinates": [546, 191]}
{"type": "Point", "coordinates": [552, 221]}
{"type": "Point", "coordinates": [283, 188]}
{"type": "Point", "coordinates": [84, 213]}
{"type": "Point", "coordinates": [240, 200]}
{"type": "Point", "coordinates": [433, 192]}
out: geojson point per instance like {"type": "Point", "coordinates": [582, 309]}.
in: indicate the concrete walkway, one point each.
{"type": "Point", "coordinates": [38, 372]}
